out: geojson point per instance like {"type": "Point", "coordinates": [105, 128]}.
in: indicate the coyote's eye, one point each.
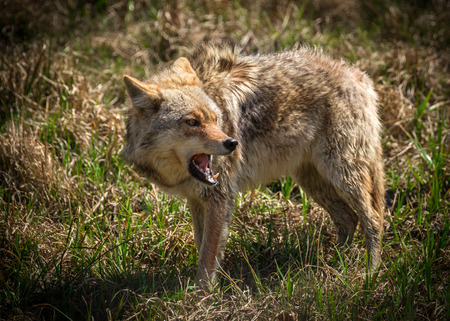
{"type": "Point", "coordinates": [192, 122]}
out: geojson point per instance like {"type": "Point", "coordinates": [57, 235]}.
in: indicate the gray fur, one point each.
{"type": "Point", "coordinates": [295, 113]}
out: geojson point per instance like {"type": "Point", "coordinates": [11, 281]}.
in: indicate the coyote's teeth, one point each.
{"type": "Point", "coordinates": [200, 168]}
{"type": "Point", "coordinates": [215, 176]}
{"type": "Point", "coordinates": [193, 162]}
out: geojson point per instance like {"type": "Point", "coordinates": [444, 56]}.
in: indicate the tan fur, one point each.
{"type": "Point", "coordinates": [295, 113]}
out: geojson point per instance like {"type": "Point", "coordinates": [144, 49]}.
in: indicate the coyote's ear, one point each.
{"type": "Point", "coordinates": [183, 64]}
{"type": "Point", "coordinates": [142, 95]}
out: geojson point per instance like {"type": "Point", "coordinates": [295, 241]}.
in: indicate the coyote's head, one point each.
{"type": "Point", "coordinates": [173, 127]}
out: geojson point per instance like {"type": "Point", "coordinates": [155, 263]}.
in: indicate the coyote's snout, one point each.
{"type": "Point", "coordinates": [222, 123]}
{"type": "Point", "coordinates": [200, 164]}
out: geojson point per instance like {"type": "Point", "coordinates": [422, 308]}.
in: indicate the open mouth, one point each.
{"type": "Point", "coordinates": [200, 168]}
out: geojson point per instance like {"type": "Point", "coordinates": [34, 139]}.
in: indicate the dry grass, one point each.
{"type": "Point", "coordinates": [82, 236]}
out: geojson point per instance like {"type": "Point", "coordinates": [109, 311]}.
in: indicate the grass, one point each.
{"type": "Point", "coordinates": [82, 236]}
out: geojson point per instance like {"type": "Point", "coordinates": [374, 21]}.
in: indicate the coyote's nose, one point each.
{"type": "Point", "coordinates": [230, 144]}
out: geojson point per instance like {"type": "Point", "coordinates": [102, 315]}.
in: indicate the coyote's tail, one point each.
{"type": "Point", "coordinates": [378, 191]}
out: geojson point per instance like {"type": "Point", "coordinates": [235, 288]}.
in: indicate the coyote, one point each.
{"type": "Point", "coordinates": [221, 122]}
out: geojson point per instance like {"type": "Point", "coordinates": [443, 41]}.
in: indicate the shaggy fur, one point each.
{"type": "Point", "coordinates": [295, 112]}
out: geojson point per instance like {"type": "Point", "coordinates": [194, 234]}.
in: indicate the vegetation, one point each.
{"type": "Point", "coordinates": [83, 237]}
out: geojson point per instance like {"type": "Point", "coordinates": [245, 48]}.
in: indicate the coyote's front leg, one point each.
{"type": "Point", "coordinates": [211, 218]}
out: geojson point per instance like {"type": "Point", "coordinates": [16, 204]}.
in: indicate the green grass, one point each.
{"type": "Point", "coordinates": [83, 237]}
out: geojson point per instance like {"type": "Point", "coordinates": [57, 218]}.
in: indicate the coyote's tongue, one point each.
{"type": "Point", "coordinates": [201, 160]}
{"type": "Point", "coordinates": [200, 168]}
